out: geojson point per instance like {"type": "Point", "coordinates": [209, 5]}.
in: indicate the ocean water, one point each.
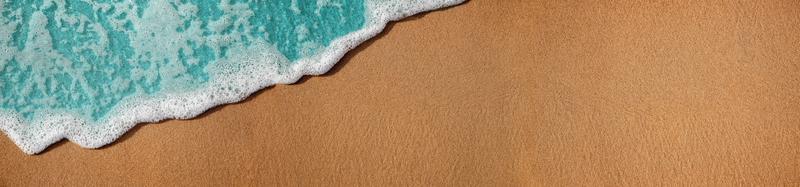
{"type": "Point", "coordinates": [88, 70]}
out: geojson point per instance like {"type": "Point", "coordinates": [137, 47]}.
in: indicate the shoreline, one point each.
{"type": "Point", "coordinates": [36, 137]}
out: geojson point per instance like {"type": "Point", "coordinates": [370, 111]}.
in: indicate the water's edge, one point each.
{"type": "Point", "coordinates": [35, 138]}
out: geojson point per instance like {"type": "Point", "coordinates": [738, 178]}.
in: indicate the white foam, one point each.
{"type": "Point", "coordinates": [252, 74]}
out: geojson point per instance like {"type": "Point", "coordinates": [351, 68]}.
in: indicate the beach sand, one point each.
{"type": "Point", "coordinates": [496, 92]}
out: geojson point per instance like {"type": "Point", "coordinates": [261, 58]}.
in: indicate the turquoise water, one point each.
{"type": "Point", "coordinates": [84, 57]}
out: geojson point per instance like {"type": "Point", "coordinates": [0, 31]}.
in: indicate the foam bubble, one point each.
{"type": "Point", "coordinates": [164, 59]}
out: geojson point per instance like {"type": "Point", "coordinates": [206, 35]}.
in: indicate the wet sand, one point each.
{"type": "Point", "coordinates": [496, 92]}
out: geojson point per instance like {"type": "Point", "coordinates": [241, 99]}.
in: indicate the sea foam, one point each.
{"type": "Point", "coordinates": [89, 70]}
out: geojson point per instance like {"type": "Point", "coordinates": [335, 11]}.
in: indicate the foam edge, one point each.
{"type": "Point", "coordinates": [190, 105]}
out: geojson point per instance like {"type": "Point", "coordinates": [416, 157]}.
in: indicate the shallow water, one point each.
{"type": "Point", "coordinates": [84, 57]}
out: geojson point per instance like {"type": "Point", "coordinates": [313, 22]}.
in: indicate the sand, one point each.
{"type": "Point", "coordinates": [511, 93]}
